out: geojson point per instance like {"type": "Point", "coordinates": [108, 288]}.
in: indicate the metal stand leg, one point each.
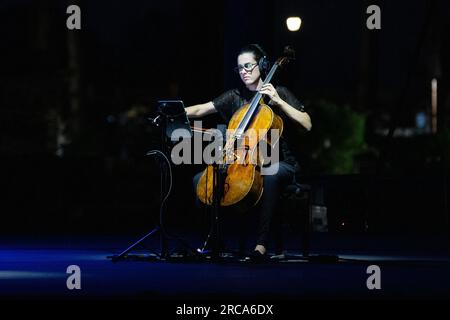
{"type": "Point", "coordinates": [214, 237]}
{"type": "Point", "coordinates": [125, 252]}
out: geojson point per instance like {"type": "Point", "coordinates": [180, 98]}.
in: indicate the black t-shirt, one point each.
{"type": "Point", "coordinates": [229, 102]}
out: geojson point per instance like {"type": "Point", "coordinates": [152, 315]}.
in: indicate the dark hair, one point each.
{"type": "Point", "coordinates": [254, 48]}
{"type": "Point", "coordinates": [260, 57]}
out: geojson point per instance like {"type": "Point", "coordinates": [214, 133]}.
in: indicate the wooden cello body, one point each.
{"type": "Point", "coordinates": [243, 183]}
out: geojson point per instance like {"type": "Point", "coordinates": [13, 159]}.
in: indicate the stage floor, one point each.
{"type": "Point", "coordinates": [409, 268]}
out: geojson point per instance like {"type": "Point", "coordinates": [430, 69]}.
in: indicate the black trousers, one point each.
{"type": "Point", "coordinates": [267, 206]}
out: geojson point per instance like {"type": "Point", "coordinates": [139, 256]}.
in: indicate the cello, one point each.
{"type": "Point", "coordinates": [237, 181]}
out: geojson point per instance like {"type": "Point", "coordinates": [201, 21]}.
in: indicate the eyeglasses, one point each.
{"type": "Point", "coordinates": [246, 66]}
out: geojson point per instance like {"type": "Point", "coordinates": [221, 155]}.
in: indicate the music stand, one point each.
{"type": "Point", "coordinates": [171, 116]}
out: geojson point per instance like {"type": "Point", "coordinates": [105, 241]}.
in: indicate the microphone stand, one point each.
{"type": "Point", "coordinates": [214, 237]}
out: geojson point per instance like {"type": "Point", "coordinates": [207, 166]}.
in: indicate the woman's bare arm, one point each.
{"type": "Point", "coordinates": [200, 110]}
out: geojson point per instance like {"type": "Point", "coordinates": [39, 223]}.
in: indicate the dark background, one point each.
{"type": "Point", "coordinates": [74, 108]}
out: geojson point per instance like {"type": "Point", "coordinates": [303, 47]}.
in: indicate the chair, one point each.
{"type": "Point", "coordinates": [292, 198]}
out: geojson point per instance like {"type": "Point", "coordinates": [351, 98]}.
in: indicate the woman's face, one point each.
{"type": "Point", "coordinates": [248, 69]}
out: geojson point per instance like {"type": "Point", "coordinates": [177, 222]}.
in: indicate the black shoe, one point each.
{"type": "Point", "coordinates": [257, 257]}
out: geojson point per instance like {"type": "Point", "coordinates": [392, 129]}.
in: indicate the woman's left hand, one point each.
{"type": "Point", "coordinates": [271, 92]}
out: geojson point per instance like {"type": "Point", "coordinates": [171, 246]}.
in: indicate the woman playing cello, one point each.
{"type": "Point", "coordinates": [252, 69]}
